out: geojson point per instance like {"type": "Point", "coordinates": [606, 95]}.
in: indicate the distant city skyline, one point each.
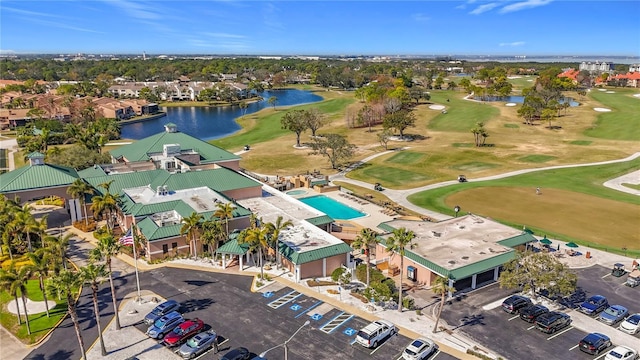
{"type": "Point", "coordinates": [421, 28]}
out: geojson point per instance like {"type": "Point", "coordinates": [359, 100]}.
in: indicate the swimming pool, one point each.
{"type": "Point", "coordinates": [296, 192]}
{"type": "Point", "coordinates": [335, 209]}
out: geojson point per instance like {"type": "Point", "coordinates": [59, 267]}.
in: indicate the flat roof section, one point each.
{"type": "Point", "coordinates": [201, 199]}
{"type": "Point", "coordinates": [457, 242]}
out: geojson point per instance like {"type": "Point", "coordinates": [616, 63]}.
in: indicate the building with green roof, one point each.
{"type": "Point", "coordinates": [468, 250]}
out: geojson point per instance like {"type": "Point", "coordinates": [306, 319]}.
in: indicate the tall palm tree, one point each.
{"type": "Point", "coordinates": [105, 206]}
{"type": "Point", "coordinates": [92, 274]}
{"type": "Point", "coordinates": [8, 209]}
{"type": "Point", "coordinates": [190, 226]}
{"type": "Point", "coordinates": [274, 232]}
{"type": "Point", "coordinates": [224, 212]}
{"type": "Point", "coordinates": [16, 282]}
{"type": "Point", "coordinates": [108, 248]}
{"type": "Point", "coordinates": [257, 239]}
{"type": "Point", "coordinates": [366, 240]}
{"type": "Point", "coordinates": [40, 267]}
{"type": "Point", "coordinates": [66, 282]}
{"type": "Point", "coordinates": [78, 190]}
{"type": "Point", "coordinates": [27, 225]}
{"type": "Point", "coordinates": [212, 233]}
{"type": "Point", "coordinates": [57, 247]}
{"type": "Point", "coordinates": [441, 287]}
{"type": "Point", "coordinates": [396, 244]}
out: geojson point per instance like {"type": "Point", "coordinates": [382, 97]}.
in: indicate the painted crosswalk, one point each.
{"type": "Point", "coordinates": [284, 299]}
{"type": "Point", "coordinates": [334, 323]}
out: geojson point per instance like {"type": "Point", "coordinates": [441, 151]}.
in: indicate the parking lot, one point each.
{"type": "Point", "coordinates": [260, 321]}
{"type": "Point", "coordinates": [514, 338]}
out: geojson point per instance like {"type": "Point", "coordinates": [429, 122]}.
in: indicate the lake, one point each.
{"type": "Point", "coordinates": [518, 99]}
{"type": "Point", "coordinates": [207, 123]}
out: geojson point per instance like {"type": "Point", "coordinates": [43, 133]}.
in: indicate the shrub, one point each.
{"type": "Point", "coordinates": [312, 283]}
{"type": "Point", "coordinates": [375, 275]}
{"type": "Point", "coordinates": [259, 283]}
{"type": "Point", "coordinates": [359, 296]}
{"type": "Point", "coordinates": [332, 291]}
{"type": "Point", "coordinates": [85, 227]}
{"type": "Point", "coordinates": [337, 273]}
{"type": "Point", "coordinates": [418, 312]}
{"type": "Point", "coordinates": [408, 303]}
{"type": "Point", "coordinates": [378, 291]}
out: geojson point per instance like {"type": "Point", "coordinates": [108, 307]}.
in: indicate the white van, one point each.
{"type": "Point", "coordinates": [373, 334]}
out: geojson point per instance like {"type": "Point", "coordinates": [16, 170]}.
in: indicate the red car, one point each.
{"type": "Point", "coordinates": [183, 332]}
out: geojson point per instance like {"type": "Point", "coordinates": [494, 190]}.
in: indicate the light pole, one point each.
{"type": "Point", "coordinates": [284, 345]}
{"type": "Point", "coordinates": [456, 209]}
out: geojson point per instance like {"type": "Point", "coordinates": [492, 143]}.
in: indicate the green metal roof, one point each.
{"type": "Point", "coordinates": [35, 154]}
{"type": "Point", "coordinates": [152, 231]}
{"type": "Point", "coordinates": [93, 171]}
{"type": "Point", "coordinates": [313, 255]}
{"type": "Point", "coordinates": [140, 150]}
{"type": "Point", "coordinates": [37, 177]}
{"type": "Point", "coordinates": [320, 220]}
{"type": "Point", "coordinates": [386, 227]}
{"type": "Point", "coordinates": [521, 239]}
{"type": "Point", "coordinates": [233, 247]}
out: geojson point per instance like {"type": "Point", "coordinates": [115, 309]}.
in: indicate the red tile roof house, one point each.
{"type": "Point", "coordinates": [633, 79]}
{"type": "Point", "coordinates": [571, 74]}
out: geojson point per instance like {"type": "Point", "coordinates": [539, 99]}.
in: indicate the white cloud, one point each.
{"type": "Point", "coordinates": [512, 44]}
{"type": "Point", "coordinates": [28, 12]}
{"type": "Point", "coordinates": [420, 17]}
{"type": "Point", "coordinates": [224, 35]}
{"type": "Point", "coordinates": [527, 4]}
{"type": "Point", "coordinates": [136, 9]}
{"type": "Point", "coordinates": [484, 8]}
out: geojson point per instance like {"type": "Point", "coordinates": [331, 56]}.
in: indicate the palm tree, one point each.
{"type": "Point", "coordinates": [190, 226]}
{"type": "Point", "coordinates": [92, 274]}
{"type": "Point", "coordinates": [57, 247]}
{"type": "Point", "coordinates": [441, 287]}
{"type": "Point", "coordinates": [257, 239]}
{"type": "Point", "coordinates": [26, 224]}
{"type": "Point", "coordinates": [397, 243]}
{"type": "Point", "coordinates": [272, 101]}
{"type": "Point", "coordinates": [78, 190]}
{"type": "Point", "coordinates": [40, 267]}
{"type": "Point", "coordinates": [274, 232]}
{"type": "Point", "coordinates": [365, 241]}
{"type": "Point", "coordinates": [66, 282]}
{"type": "Point", "coordinates": [104, 206]}
{"type": "Point", "coordinates": [108, 248]}
{"type": "Point", "coordinates": [224, 212]}
{"type": "Point", "coordinates": [213, 232]}
{"type": "Point", "coordinates": [16, 282]}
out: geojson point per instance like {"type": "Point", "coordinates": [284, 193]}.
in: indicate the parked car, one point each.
{"type": "Point", "coordinates": [164, 325]}
{"type": "Point", "coordinates": [183, 332]}
{"type": "Point", "coordinates": [240, 353]}
{"type": "Point", "coordinates": [161, 310]}
{"type": "Point", "coordinates": [574, 300]}
{"type": "Point", "coordinates": [631, 325]}
{"type": "Point", "coordinates": [514, 303]}
{"type": "Point", "coordinates": [594, 305]}
{"type": "Point", "coordinates": [198, 344]}
{"type": "Point", "coordinates": [419, 349]}
{"type": "Point", "coordinates": [552, 321]}
{"type": "Point", "coordinates": [594, 343]}
{"type": "Point", "coordinates": [621, 353]}
{"type": "Point", "coordinates": [530, 313]}
{"type": "Point", "coordinates": [373, 334]}
{"type": "Point", "coordinates": [613, 314]}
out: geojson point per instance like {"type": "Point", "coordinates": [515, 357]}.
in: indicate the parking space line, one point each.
{"type": "Point", "coordinates": [284, 299]}
{"type": "Point", "coordinates": [560, 333]}
{"type": "Point", "coordinates": [309, 309]}
{"type": "Point", "coordinates": [353, 341]}
{"type": "Point", "coordinates": [575, 346]}
{"type": "Point", "coordinates": [600, 357]}
{"type": "Point", "coordinates": [380, 345]}
{"type": "Point", "coordinates": [335, 323]}
{"type": "Point", "coordinates": [606, 275]}
{"type": "Point", "coordinates": [531, 327]}
{"type": "Point", "coordinates": [435, 354]}
{"type": "Point", "coordinates": [514, 317]}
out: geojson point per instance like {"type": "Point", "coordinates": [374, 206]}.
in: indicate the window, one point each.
{"type": "Point", "coordinates": [174, 246]}
{"type": "Point", "coordinates": [165, 248]}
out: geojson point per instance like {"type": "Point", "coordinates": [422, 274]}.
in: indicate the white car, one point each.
{"type": "Point", "coordinates": [630, 325]}
{"type": "Point", "coordinates": [621, 353]}
{"type": "Point", "coordinates": [419, 349]}
{"type": "Point", "coordinates": [373, 334]}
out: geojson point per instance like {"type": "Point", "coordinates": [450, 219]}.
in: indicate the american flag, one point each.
{"type": "Point", "coordinates": [127, 239]}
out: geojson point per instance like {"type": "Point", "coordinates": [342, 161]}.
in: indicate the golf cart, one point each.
{"type": "Point", "coordinates": [378, 187]}
{"type": "Point", "coordinates": [462, 178]}
{"type": "Point", "coordinates": [634, 278]}
{"type": "Point", "coordinates": [618, 270]}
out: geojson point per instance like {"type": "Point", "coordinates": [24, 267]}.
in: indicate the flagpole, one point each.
{"type": "Point", "coordinates": [135, 260]}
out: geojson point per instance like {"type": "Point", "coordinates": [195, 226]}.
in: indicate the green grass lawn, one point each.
{"type": "Point", "coordinates": [623, 122]}
{"type": "Point", "coordinates": [406, 158]}
{"type": "Point", "coordinates": [462, 115]}
{"type": "Point", "coordinates": [522, 82]}
{"type": "Point", "coordinates": [40, 324]}
{"type": "Point", "coordinates": [537, 158]}
{"type": "Point", "coordinates": [572, 191]}
{"type": "Point", "coordinates": [632, 186]}
{"type": "Point", "coordinates": [581, 142]}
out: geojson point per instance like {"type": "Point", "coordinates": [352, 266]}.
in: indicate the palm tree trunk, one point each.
{"type": "Point", "coordinates": [368, 270]}
{"type": "Point", "coordinates": [195, 250]}
{"type": "Point", "coordinates": [86, 214]}
{"type": "Point", "coordinates": [44, 294]}
{"type": "Point", "coordinates": [113, 295]}
{"type": "Point", "coordinates": [76, 324]}
{"type": "Point", "coordinates": [435, 327]}
{"type": "Point", "coordinates": [29, 241]}
{"type": "Point", "coordinates": [261, 265]}
{"type": "Point", "coordinates": [18, 309]}
{"type": "Point", "coordinates": [96, 310]}
{"type": "Point", "coordinates": [26, 313]}
{"type": "Point", "coordinates": [278, 259]}
{"type": "Point", "coordinates": [400, 289]}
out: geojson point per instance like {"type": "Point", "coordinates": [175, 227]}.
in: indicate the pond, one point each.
{"type": "Point", "coordinates": [518, 99]}
{"type": "Point", "coordinates": [207, 123]}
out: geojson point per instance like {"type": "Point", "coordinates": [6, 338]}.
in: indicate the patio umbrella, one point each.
{"type": "Point", "coordinates": [572, 245]}
{"type": "Point", "coordinates": [545, 241]}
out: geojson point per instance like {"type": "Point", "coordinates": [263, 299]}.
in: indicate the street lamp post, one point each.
{"type": "Point", "coordinates": [286, 343]}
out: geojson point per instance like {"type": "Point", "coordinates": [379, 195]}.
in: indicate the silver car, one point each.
{"type": "Point", "coordinates": [164, 325]}
{"type": "Point", "coordinates": [198, 344]}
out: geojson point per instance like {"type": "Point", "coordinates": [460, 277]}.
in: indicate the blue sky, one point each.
{"type": "Point", "coordinates": [330, 27]}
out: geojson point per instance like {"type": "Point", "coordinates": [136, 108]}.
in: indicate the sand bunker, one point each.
{"type": "Point", "coordinates": [610, 92]}
{"type": "Point", "coordinates": [510, 104]}
{"type": "Point", "coordinates": [636, 95]}
{"type": "Point", "coordinates": [601, 109]}
{"type": "Point", "coordinates": [34, 307]}
{"type": "Point", "coordinates": [602, 89]}
{"type": "Point", "coordinates": [436, 107]}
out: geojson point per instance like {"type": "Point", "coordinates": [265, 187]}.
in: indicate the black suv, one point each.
{"type": "Point", "coordinates": [594, 343]}
{"type": "Point", "coordinates": [530, 313]}
{"type": "Point", "coordinates": [514, 303]}
{"type": "Point", "coordinates": [552, 321]}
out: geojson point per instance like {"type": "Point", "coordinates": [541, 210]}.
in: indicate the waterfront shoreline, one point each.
{"type": "Point", "coordinates": [145, 118]}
